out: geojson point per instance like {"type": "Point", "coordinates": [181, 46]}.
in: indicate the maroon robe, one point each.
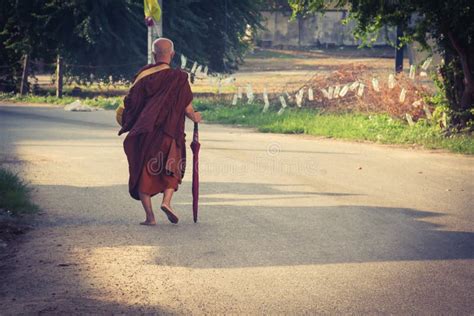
{"type": "Point", "coordinates": [154, 118]}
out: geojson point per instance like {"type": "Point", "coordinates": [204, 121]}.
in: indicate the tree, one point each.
{"type": "Point", "coordinates": [20, 33]}
{"type": "Point", "coordinates": [185, 27]}
{"type": "Point", "coordinates": [97, 39]}
{"type": "Point", "coordinates": [107, 39]}
{"type": "Point", "coordinates": [212, 31]}
{"type": "Point", "coordinates": [449, 23]}
{"type": "Point", "coordinates": [102, 38]}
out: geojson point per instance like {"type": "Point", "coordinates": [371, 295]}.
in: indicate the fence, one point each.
{"type": "Point", "coordinates": [38, 75]}
{"type": "Point", "coordinates": [348, 87]}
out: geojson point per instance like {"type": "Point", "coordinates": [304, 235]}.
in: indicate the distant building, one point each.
{"type": "Point", "coordinates": [318, 30]}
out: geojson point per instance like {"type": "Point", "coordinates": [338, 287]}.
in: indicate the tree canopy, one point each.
{"type": "Point", "coordinates": [449, 23]}
{"type": "Point", "coordinates": [212, 31]}
{"type": "Point", "coordinates": [95, 38]}
{"type": "Point", "coordinates": [107, 39]}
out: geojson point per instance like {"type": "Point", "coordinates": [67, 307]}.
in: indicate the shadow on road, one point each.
{"type": "Point", "coordinates": [84, 306]}
{"type": "Point", "coordinates": [89, 237]}
{"type": "Point", "coordinates": [239, 229]}
{"type": "Point", "coordinates": [280, 151]}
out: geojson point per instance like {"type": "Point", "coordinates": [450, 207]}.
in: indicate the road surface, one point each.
{"type": "Point", "coordinates": [289, 224]}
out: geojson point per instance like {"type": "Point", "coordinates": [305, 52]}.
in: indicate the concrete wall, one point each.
{"type": "Point", "coordinates": [317, 30]}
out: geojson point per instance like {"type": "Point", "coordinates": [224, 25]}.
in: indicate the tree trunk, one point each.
{"type": "Point", "coordinates": [466, 66]}
{"type": "Point", "coordinates": [59, 77]}
{"type": "Point", "coordinates": [300, 31]}
{"type": "Point", "coordinates": [459, 82]}
{"type": "Point", "coordinates": [24, 77]}
{"type": "Point", "coordinates": [399, 51]}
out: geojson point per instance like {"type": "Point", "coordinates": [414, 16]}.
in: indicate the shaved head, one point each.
{"type": "Point", "coordinates": [163, 50]}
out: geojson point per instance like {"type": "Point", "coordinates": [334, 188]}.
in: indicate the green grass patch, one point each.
{"type": "Point", "coordinates": [380, 128]}
{"type": "Point", "coordinates": [107, 103]}
{"type": "Point", "coordinates": [15, 194]}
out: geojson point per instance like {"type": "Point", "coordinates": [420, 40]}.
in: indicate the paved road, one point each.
{"type": "Point", "coordinates": [289, 224]}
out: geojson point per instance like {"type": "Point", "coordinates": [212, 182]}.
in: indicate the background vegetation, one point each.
{"type": "Point", "coordinates": [376, 127]}
{"type": "Point", "coordinates": [14, 194]}
{"type": "Point", "coordinates": [449, 24]}
{"type": "Point", "coordinates": [106, 40]}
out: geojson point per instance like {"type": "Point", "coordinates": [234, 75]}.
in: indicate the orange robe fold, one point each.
{"type": "Point", "coordinates": [154, 119]}
{"type": "Point", "coordinates": [163, 170]}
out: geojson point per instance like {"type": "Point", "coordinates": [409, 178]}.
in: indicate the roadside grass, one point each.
{"type": "Point", "coordinates": [380, 128]}
{"type": "Point", "coordinates": [108, 103]}
{"type": "Point", "coordinates": [15, 194]}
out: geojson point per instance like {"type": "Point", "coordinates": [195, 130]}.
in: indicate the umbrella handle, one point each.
{"type": "Point", "coordinates": [196, 133]}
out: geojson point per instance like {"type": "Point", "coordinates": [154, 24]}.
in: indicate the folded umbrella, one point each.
{"type": "Point", "coordinates": [195, 146]}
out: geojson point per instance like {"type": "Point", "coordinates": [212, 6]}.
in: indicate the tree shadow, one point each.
{"type": "Point", "coordinates": [240, 225]}
{"type": "Point", "coordinates": [257, 225]}
{"type": "Point", "coordinates": [81, 119]}
{"type": "Point", "coordinates": [80, 306]}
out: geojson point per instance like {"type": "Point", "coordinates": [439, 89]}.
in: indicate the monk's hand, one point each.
{"type": "Point", "coordinates": [197, 117]}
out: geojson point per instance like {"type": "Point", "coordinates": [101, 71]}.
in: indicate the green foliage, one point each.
{"type": "Point", "coordinates": [15, 194]}
{"type": "Point", "coordinates": [99, 38]}
{"type": "Point", "coordinates": [107, 40]}
{"type": "Point", "coordinates": [12, 97]}
{"type": "Point", "coordinates": [241, 114]}
{"type": "Point", "coordinates": [185, 27]}
{"type": "Point", "coordinates": [107, 103]}
{"type": "Point", "coordinates": [212, 31]}
{"type": "Point", "coordinates": [379, 128]}
{"type": "Point", "coordinates": [420, 19]}
{"type": "Point", "coordinates": [449, 23]}
{"type": "Point", "coordinates": [19, 32]}
{"type": "Point", "coordinates": [443, 114]}
{"type": "Point", "coordinates": [300, 7]}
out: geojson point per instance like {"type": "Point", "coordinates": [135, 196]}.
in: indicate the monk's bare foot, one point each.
{"type": "Point", "coordinates": [148, 223]}
{"type": "Point", "coordinates": [169, 213]}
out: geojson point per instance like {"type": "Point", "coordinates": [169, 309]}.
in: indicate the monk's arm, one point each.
{"type": "Point", "coordinates": [191, 114]}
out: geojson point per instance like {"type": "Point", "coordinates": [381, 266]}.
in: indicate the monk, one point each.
{"type": "Point", "coordinates": [154, 117]}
